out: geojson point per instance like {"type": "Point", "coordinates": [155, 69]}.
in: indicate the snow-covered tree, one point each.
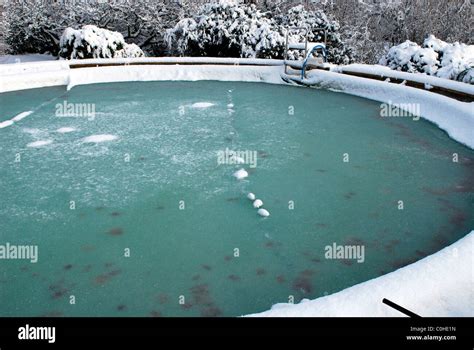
{"type": "Point", "coordinates": [435, 57]}
{"type": "Point", "coordinates": [36, 26]}
{"type": "Point", "coordinates": [93, 42]}
{"type": "Point", "coordinates": [371, 27]}
{"type": "Point", "coordinates": [31, 27]}
{"type": "Point", "coordinates": [235, 30]}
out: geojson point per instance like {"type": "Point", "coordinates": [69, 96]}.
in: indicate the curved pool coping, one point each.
{"type": "Point", "coordinates": [429, 287]}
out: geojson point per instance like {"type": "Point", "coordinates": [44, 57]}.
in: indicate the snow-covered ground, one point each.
{"type": "Point", "coordinates": [10, 59]}
{"type": "Point", "coordinates": [428, 287]}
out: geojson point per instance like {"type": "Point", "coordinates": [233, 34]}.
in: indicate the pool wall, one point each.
{"type": "Point", "coordinates": [427, 286]}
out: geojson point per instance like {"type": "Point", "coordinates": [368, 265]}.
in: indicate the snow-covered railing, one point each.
{"type": "Point", "coordinates": [308, 47]}
{"type": "Point", "coordinates": [314, 48]}
{"type": "Point", "coordinates": [173, 61]}
{"type": "Point", "coordinates": [458, 90]}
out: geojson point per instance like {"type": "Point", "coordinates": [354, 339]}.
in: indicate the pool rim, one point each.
{"type": "Point", "coordinates": [59, 73]}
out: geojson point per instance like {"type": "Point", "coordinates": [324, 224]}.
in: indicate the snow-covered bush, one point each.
{"type": "Point", "coordinates": [226, 30]}
{"type": "Point", "coordinates": [435, 57]}
{"type": "Point", "coordinates": [94, 42]}
{"type": "Point", "coordinates": [129, 51]}
{"type": "Point", "coordinates": [236, 30]}
{"type": "Point", "coordinates": [316, 21]}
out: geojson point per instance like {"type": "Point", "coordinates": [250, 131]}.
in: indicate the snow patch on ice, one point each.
{"type": "Point", "coordinates": [202, 105]}
{"type": "Point", "coordinates": [40, 143]}
{"type": "Point", "coordinates": [65, 130]}
{"type": "Point", "coordinates": [32, 131]}
{"type": "Point", "coordinates": [21, 116]}
{"type": "Point", "coordinates": [241, 174]}
{"type": "Point", "coordinates": [6, 123]}
{"type": "Point", "coordinates": [16, 118]}
{"type": "Point", "coordinates": [99, 138]}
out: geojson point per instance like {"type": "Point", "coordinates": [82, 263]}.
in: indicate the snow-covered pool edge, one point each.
{"type": "Point", "coordinates": [424, 291]}
{"type": "Point", "coordinates": [427, 287]}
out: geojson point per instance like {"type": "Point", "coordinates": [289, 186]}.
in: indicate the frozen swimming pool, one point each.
{"type": "Point", "coordinates": [160, 152]}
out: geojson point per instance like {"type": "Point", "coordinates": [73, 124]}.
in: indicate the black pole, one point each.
{"type": "Point", "coordinates": [399, 308]}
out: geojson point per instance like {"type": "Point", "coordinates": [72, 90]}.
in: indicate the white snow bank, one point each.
{"type": "Point", "coordinates": [455, 117]}
{"type": "Point", "coordinates": [99, 138]}
{"type": "Point", "coordinates": [440, 285]}
{"type": "Point", "coordinates": [202, 105]}
{"type": "Point", "coordinates": [9, 59]}
{"type": "Point", "coordinates": [40, 143]}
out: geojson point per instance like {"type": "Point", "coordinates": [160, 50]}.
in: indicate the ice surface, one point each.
{"type": "Point", "coordinates": [429, 287]}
